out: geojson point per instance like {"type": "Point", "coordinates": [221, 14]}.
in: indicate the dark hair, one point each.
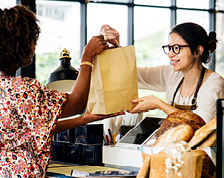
{"type": "Point", "coordinates": [195, 35]}
{"type": "Point", "coordinates": [19, 33]}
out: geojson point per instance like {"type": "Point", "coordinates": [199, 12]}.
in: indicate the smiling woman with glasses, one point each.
{"type": "Point", "coordinates": [187, 83]}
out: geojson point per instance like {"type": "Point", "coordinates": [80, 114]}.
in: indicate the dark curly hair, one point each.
{"type": "Point", "coordinates": [195, 35]}
{"type": "Point", "coordinates": [19, 32]}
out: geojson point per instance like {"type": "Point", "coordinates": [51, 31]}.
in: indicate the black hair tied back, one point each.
{"type": "Point", "coordinates": [1, 13]}
{"type": "Point", "coordinates": [212, 42]}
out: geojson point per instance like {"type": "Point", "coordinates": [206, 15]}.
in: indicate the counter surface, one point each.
{"type": "Point", "coordinates": [63, 170]}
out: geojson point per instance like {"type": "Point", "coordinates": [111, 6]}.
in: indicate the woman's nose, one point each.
{"type": "Point", "coordinates": [171, 54]}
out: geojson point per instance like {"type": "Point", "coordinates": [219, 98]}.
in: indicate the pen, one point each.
{"type": "Point", "coordinates": [107, 138]}
{"type": "Point", "coordinates": [104, 138]}
{"type": "Point", "coordinates": [114, 138]}
{"type": "Point", "coordinates": [111, 138]}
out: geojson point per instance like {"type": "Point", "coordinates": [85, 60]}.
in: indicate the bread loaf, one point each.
{"type": "Point", "coordinates": [180, 117]}
{"type": "Point", "coordinates": [209, 142]}
{"type": "Point", "coordinates": [181, 132]}
{"type": "Point", "coordinates": [144, 171]}
{"type": "Point", "coordinates": [203, 132]}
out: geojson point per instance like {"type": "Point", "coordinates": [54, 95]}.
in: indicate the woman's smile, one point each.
{"type": "Point", "coordinates": [175, 62]}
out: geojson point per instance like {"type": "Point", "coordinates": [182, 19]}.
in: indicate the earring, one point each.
{"type": "Point", "coordinates": [196, 59]}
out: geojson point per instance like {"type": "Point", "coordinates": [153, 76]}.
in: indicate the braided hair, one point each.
{"type": "Point", "coordinates": [195, 36]}
{"type": "Point", "coordinates": [19, 33]}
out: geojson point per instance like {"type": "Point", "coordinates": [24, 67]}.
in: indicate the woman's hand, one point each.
{"type": "Point", "coordinates": [95, 117]}
{"type": "Point", "coordinates": [149, 103]}
{"type": "Point", "coordinates": [94, 47]}
{"type": "Point", "coordinates": [145, 104]}
{"type": "Point", "coordinates": [110, 35]}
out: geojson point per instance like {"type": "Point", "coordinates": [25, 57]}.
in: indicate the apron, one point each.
{"type": "Point", "coordinates": [193, 105]}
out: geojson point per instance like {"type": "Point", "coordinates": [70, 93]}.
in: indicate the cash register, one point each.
{"type": "Point", "coordinates": [127, 151]}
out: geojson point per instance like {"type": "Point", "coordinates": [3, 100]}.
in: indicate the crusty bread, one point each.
{"type": "Point", "coordinates": [209, 142]}
{"type": "Point", "coordinates": [180, 117]}
{"type": "Point", "coordinates": [203, 132]}
{"type": "Point", "coordinates": [181, 132]}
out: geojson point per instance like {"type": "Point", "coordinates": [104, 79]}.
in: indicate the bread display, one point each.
{"type": "Point", "coordinates": [180, 117]}
{"type": "Point", "coordinates": [188, 126]}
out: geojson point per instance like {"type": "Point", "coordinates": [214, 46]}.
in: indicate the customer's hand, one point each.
{"type": "Point", "coordinates": [94, 47]}
{"type": "Point", "coordinates": [110, 35]}
{"type": "Point", "coordinates": [95, 117]}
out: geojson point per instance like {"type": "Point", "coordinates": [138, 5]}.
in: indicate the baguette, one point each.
{"type": "Point", "coordinates": [203, 132]}
{"type": "Point", "coordinates": [209, 142]}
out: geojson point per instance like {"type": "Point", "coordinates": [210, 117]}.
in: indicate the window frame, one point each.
{"type": "Point", "coordinates": [30, 70]}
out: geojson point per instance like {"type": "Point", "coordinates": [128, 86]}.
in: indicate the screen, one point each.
{"type": "Point", "coordinates": [220, 139]}
{"type": "Point", "coordinates": [142, 130]}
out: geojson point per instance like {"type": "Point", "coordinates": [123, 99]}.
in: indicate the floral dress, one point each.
{"type": "Point", "coordinates": [28, 117]}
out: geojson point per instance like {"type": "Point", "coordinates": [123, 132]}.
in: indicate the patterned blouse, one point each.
{"type": "Point", "coordinates": [28, 117]}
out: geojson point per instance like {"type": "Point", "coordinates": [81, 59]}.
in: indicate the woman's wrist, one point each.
{"type": "Point", "coordinates": [87, 58]}
{"type": "Point", "coordinates": [159, 103]}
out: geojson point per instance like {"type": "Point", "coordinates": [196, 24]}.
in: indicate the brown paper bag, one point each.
{"type": "Point", "coordinates": [113, 81]}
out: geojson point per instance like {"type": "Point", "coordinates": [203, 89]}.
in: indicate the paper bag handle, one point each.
{"type": "Point", "coordinates": [117, 43]}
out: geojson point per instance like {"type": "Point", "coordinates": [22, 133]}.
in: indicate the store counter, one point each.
{"type": "Point", "coordinates": [63, 170]}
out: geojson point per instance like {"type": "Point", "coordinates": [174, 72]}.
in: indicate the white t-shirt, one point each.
{"type": "Point", "coordinates": [164, 79]}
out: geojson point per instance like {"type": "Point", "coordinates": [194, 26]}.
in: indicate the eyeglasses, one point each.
{"type": "Point", "coordinates": [175, 48]}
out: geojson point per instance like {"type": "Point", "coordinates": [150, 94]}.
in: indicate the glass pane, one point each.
{"type": "Point", "coordinates": [115, 1]}
{"type": "Point", "coordinates": [7, 4]}
{"type": "Point", "coordinates": [60, 28]}
{"type": "Point", "coordinates": [151, 2]}
{"type": "Point", "coordinates": [220, 4]}
{"type": "Point", "coordinates": [189, 16]}
{"type": "Point", "coordinates": [149, 36]}
{"type": "Point", "coordinates": [219, 51]}
{"type": "Point", "coordinates": [100, 14]}
{"type": "Point", "coordinates": [199, 4]}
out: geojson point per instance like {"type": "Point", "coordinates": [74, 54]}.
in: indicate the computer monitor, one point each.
{"type": "Point", "coordinates": [220, 139]}
{"type": "Point", "coordinates": [141, 132]}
